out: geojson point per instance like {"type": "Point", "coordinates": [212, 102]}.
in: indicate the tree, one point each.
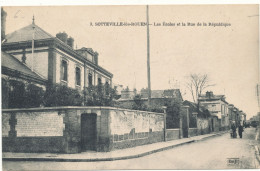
{"type": "Point", "coordinates": [173, 113]}
{"type": "Point", "coordinates": [197, 84]}
{"type": "Point", "coordinates": [139, 103]}
{"type": "Point", "coordinates": [100, 95]}
{"type": "Point", "coordinates": [61, 95]}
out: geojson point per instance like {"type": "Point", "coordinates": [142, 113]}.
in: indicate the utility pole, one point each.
{"type": "Point", "coordinates": [148, 57]}
{"type": "Point", "coordinates": [33, 43]}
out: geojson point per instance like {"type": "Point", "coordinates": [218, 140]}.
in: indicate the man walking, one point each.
{"type": "Point", "coordinates": [240, 130]}
{"type": "Point", "coordinates": [233, 128]}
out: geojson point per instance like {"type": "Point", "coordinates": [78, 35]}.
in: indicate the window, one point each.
{"type": "Point", "coordinates": [99, 81]}
{"type": "Point", "coordinates": [89, 80]}
{"type": "Point", "coordinates": [213, 108]}
{"type": "Point", "coordinates": [107, 88]}
{"type": "Point", "coordinates": [64, 70]}
{"type": "Point", "coordinates": [78, 76]}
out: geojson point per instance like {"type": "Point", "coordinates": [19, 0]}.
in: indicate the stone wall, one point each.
{"type": "Point", "coordinates": [193, 132]}
{"type": "Point", "coordinates": [34, 131]}
{"type": "Point", "coordinates": [203, 126]}
{"type": "Point", "coordinates": [131, 128]}
{"type": "Point", "coordinates": [172, 134]}
{"type": "Point", "coordinates": [59, 129]}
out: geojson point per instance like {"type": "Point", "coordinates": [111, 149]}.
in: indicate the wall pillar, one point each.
{"type": "Point", "coordinates": [184, 124]}
{"type": "Point", "coordinates": [181, 131]}
{"type": "Point", "coordinates": [164, 130]}
{"type": "Point", "coordinates": [12, 123]}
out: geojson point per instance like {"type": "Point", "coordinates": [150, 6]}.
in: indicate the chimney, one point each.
{"type": "Point", "coordinates": [3, 23]}
{"type": "Point", "coordinates": [96, 58]}
{"type": "Point", "coordinates": [62, 36]}
{"type": "Point", "coordinates": [209, 94]}
{"type": "Point", "coordinates": [70, 42]}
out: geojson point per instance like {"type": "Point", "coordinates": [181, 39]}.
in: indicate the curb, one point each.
{"type": "Point", "coordinates": [108, 159]}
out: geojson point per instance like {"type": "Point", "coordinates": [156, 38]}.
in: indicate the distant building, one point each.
{"type": "Point", "coordinates": [158, 97]}
{"type": "Point", "coordinates": [218, 106]}
{"type": "Point", "coordinates": [200, 120]}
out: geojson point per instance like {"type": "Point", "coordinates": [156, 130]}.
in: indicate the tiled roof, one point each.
{"type": "Point", "coordinates": [26, 34]}
{"type": "Point", "coordinates": [12, 63]}
{"type": "Point", "coordinates": [161, 93]}
{"type": "Point", "coordinates": [214, 97]}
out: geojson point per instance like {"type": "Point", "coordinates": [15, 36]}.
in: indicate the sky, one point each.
{"type": "Point", "coordinates": [228, 55]}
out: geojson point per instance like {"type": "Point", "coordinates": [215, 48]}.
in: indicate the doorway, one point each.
{"type": "Point", "coordinates": [88, 131]}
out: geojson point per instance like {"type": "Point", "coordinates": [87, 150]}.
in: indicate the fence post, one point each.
{"type": "Point", "coordinates": [165, 114]}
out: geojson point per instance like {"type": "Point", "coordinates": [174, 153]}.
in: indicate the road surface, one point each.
{"type": "Point", "coordinates": [220, 152]}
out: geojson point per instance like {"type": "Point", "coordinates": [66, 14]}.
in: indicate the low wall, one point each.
{"type": "Point", "coordinates": [64, 129]}
{"type": "Point", "coordinates": [33, 131]}
{"type": "Point", "coordinates": [131, 128]}
{"type": "Point", "coordinates": [193, 132]}
{"type": "Point", "coordinates": [203, 126]}
{"type": "Point", "coordinates": [172, 134]}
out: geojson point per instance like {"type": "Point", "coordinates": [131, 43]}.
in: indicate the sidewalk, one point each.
{"type": "Point", "coordinates": [91, 156]}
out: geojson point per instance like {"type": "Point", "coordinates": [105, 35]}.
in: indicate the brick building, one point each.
{"type": "Point", "coordinates": [54, 58]}
{"type": "Point", "coordinates": [32, 55]}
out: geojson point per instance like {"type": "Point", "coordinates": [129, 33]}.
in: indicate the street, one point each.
{"type": "Point", "coordinates": [220, 152]}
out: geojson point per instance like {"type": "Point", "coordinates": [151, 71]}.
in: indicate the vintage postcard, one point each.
{"type": "Point", "coordinates": [129, 87]}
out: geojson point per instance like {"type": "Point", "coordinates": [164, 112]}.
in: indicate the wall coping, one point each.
{"type": "Point", "coordinates": [75, 107]}
{"type": "Point", "coordinates": [175, 129]}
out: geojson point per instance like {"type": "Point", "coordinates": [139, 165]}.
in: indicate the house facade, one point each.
{"type": "Point", "coordinates": [218, 106]}
{"type": "Point", "coordinates": [54, 58]}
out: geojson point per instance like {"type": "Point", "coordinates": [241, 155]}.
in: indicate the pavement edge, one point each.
{"type": "Point", "coordinates": [112, 158]}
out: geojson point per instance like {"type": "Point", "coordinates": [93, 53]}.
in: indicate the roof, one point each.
{"type": "Point", "coordinates": [215, 97]}
{"type": "Point", "coordinates": [212, 97]}
{"type": "Point", "coordinates": [203, 111]}
{"type": "Point", "coordinates": [26, 34]}
{"type": "Point", "coordinates": [171, 93]}
{"type": "Point", "coordinates": [13, 63]}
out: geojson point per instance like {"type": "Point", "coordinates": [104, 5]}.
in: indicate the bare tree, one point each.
{"type": "Point", "coordinates": [197, 84]}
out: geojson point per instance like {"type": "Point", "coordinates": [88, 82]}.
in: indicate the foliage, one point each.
{"type": "Point", "coordinates": [16, 94]}
{"type": "Point", "coordinates": [33, 96]}
{"type": "Point", "coordinates": [139, 103]}
{"type": "Point", "coordinates": [173, 109]}
{"type": "Point", "coordinates": [21, 95]}
{"type": "Point", "coordinates": [61, 95]}
{"type": "Point", "coordinates": [193, 121]}
{"type": "Point", "coordinates": [100, 95]}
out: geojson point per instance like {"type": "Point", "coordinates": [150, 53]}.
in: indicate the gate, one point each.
{"type": "Point", "coordinates": [88, 131]}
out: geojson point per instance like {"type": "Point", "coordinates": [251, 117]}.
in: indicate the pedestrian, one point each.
{"type": "Point", "coordinates": [233, 129]}
{"type": "Point", "coordinates": [240, 130]}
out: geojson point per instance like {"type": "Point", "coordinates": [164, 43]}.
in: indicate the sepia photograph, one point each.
{"type": "Point", "coordinates": [130, 87]}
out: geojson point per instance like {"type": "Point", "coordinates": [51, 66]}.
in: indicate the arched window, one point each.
{"type": "Point", "coordinates": [78, 81]}
{"type": "Point", "coordinates": [64, 70]}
